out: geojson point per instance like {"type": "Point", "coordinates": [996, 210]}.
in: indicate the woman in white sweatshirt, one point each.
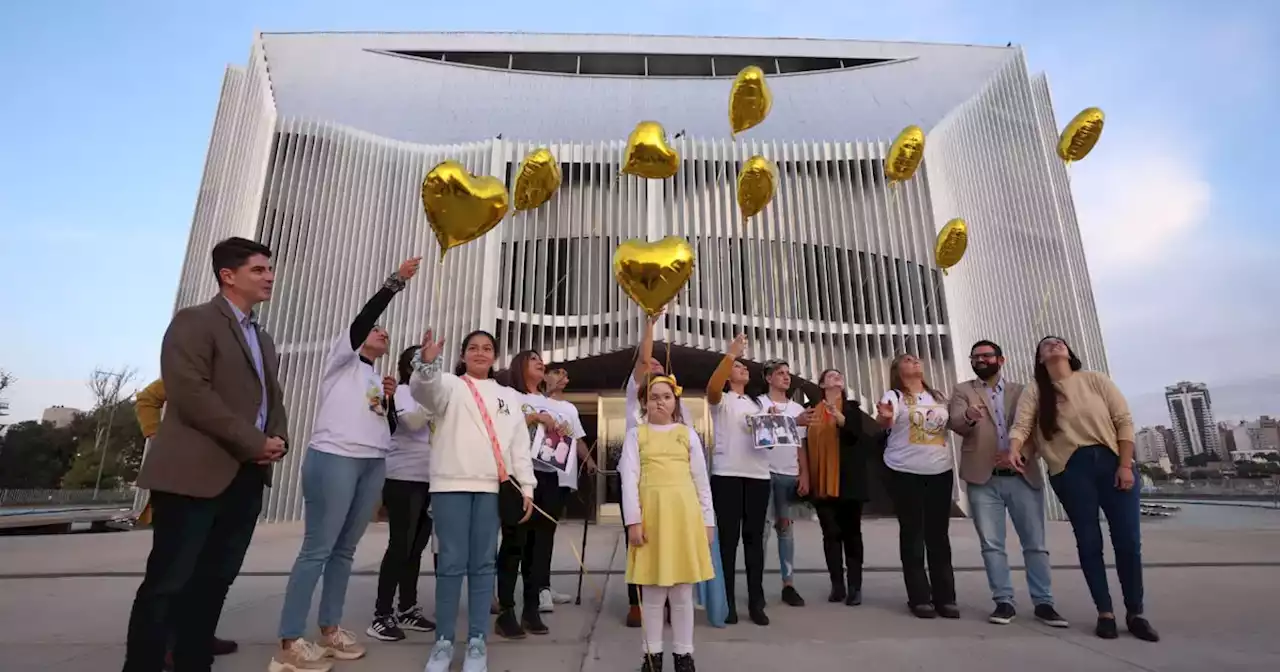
{"type": "Point", "coordinates": [479, 439]}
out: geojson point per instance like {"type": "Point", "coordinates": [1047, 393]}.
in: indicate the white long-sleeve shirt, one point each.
{"type": "Point", "coordinates": [462, 457]}
{"type": "Point", "coordinates": [629, 471]}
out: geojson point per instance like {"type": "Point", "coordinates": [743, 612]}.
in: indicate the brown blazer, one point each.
{"type": "Point", "coordinates": [980, 444]}
{"type": "Point", "coordinates": [213, 394]}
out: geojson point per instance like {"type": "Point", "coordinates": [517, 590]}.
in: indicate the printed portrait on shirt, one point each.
{"type": "Point", "coordinates": [373, 396]}
{"type": "Point", "coordinates": [927, 423]}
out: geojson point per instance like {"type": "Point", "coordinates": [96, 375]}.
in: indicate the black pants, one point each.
{"type": "Point", "coordinates": [923, 508]}
{"type": "Point", "coordinates": [741, 505]}
{"type": "Point", "coordinates": [197, 548]}
{"type": "Point", "coordinates": [526, 549]}
{"type": "Point", "coordinates": [841, 521]}
{"type": "Point", "coordinates": [410, 530]}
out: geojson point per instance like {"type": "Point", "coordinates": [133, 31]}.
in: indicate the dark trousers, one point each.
{"type": "Point", "coordinates": [841, 522]}
{"type": "Point", "coordinates": [197, 548]}
{"type": "Point", "coordinates": [741, 505]}
{"type": "Point", "coordinates": [409, 525]}
{"type": "Point", "coordinates": [923, 507]}
{"type": "Point", "coordinates": [1087, 484]}
{"type": "Point", "coordinates": [526, 549]}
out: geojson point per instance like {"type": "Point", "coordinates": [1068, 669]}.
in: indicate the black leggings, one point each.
{"type": "Point", "coordinates": [410, 530]}
{"type": "Point", "coordinates": [841, 521]}
{"type": "Point", "coordinates": [923, 507]}
{"type": "Point", "coordinates": [741, 506]}
{"type": "Point", "coordinates": [526, 549]}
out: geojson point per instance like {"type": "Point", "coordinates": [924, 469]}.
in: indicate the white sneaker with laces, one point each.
{"type": "Point", "coordinates": [546, 601]}
{"type": "Point", "coordinates": [441, 657]}
{"type": "Point", "coordinates": [477, 659]}
{"type": "Point", "coordinates": [560, 598]}
{"type": "Point", "coordinates": [301, 656]}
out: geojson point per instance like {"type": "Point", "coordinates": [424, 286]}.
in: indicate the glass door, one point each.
{"type": "Point", "coordinates": [611, 431]}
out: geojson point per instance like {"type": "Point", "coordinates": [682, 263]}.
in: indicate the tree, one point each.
{"type": "Point", "coordinates": [35, 455]}
{"type": "Point", "coordinates": [6, 379]}
{"type": "Point", "coordinates": [107, 389]}
{"type": "Point", "coordinates": [119, 458]}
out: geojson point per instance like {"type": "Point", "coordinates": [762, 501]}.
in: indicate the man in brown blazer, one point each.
{"type": "Point", "coordinates": [982, 412]}
{"type": "Point", "coordinates": [224, 425]}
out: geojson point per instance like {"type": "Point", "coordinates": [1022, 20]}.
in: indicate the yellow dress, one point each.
{"type": "Point", "coordinates": [676, 550]}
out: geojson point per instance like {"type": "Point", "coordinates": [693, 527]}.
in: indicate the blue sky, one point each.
{"type": "Point", "coordinates": [108, 108]}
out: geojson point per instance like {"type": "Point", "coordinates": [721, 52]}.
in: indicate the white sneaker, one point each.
{"type": "Point", "coordinates": [477, 659]}
{"type": "Point", "coordinates": [560, 598]}
{"type": "Point", "coordinates": [441, 657]}
{"type": "Point", "coordinates": [546, 601]}
{"type": "Point", "coordinates": [301, 656]}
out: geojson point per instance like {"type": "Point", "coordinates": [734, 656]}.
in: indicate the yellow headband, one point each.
{"type": "Point", "coordinates": [670, 380]}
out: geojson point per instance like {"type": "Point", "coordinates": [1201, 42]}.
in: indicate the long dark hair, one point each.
{"type": "Point", "coordinates": [515, 372]}
{"type": "Point", "coordinates": [1047, 413]}
{"type": "Point", "coordinates": [405, 366]}
{"type": "Point", "coordinates": [461, 367]}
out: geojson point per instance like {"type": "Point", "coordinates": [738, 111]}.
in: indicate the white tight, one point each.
{"type": "Point", "coordinates": [653, 598]}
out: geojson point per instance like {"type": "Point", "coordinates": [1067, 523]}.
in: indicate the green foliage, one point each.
{"type": "Point", "coordinates": [123, 447]}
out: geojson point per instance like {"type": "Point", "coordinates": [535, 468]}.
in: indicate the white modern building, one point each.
{"type": "Point", "coordinates": [1191, 414]}
{"type": "Point", "coordinates": [321, 141]}
{"type": "Point", "coordinates": [1149, 446]}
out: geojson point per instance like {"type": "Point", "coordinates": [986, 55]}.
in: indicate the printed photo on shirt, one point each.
{"type": "Point", "coordinates": [928, 424]}
{"type": "Point", "coordinates": [774, 430]}
{"type": "Point", "coordinates": [373, 396]}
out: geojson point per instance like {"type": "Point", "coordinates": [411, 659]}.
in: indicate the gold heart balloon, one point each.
{"type": "Point", "coordinates": [757, 184]}
{"type": "Point", "coordinates": [538, 179]}
{"type": "Point", "coordinates": [749, 99]}
{"type": "Point", "coordinates": [461, 207]}
{"type": "Point", "coordinates": [653, 273]}
{"type": "Point", "coordinates": [905, 154]}
{"type": "Point", "coordinates": [952, 241]}
{"type": "Point", "coordinates": [648, 154]}
{"type": "Point", "coordinates": [1080, 135]}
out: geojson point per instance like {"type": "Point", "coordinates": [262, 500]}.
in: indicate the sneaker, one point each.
{"type": "Point", "coordinates": [1005, 613]}
{"type": "Point", "coordinates": [384, 628]}
{"type": "Point", "coordinates": [758, 616]}
{"type": "Point", "coordinates": [477, 659]}
{"type": "Point", "coordinates": [560, 598]}
{"type": "Point", "coordinates": [949, 611]}
{"type": "Point", "coordinates": [1106, 628]}
{"type": "Point", "coordinates": [633, 617]}
{"type": "Point", "coordinates": [683, 662]}
{"type": "Point", "coordinates": [507, 626]}
{"type": "Point", "coordinates": [301, 656]}
{"type": "Point", "coordinates": [342, 645]}
{"type": "Point", "coordinates": [413, 619]}
{"type": "Point", "coordinates": [652, 663]}
{"type": "Point", "coordinates": [1141, 628]}
{"type": "Point", "coordinates": [546, 601]}
{"type": "Point", "coordinates": [791, 597]}
{"type": "Point", "coordinates": [1045, 613]}
{"type": "Point", "coordinates": [923, 610]}
{"type": "Point", "coordinates": [838, 592]}
{"type": "Point", "coordinates": [441, 657]}
{"type": "Point", "coordinates": [532, 623]}
{"type": "Point", "coordinates": [855, 597]}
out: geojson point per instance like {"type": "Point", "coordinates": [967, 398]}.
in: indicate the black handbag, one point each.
{"type": "Point", "coordinates": [510, 496]}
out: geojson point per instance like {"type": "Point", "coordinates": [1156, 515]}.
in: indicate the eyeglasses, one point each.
{"type": "Point", "coordinates": [983, 355]}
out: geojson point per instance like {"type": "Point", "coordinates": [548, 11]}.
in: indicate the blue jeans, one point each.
{"type": "Point", "coordinates": [781, 508]}
{"type": "Point", "coordinates": [988, 503]}
{"type": "Point", "coordinates": [1087, 484]}
{"type": "Point", "coordinates": [338, 494]}
{"type": "Point", "coordinates": [467, 530]}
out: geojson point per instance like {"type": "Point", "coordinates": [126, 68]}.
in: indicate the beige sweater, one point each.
{"type": "Point", "coordinates": [1091, 411]}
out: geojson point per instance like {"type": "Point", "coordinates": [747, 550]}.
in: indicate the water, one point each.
{"type": "Point", "coordinates": [1236, 516]}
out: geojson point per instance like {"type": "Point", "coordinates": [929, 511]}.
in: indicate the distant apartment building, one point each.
{"type": "Point", "coordinates": [1170, 445]}
{"type": "Point", "coordinates": [1191, 414]}
{"type": "Point", "coordinates": [1149, 446]}
{"type": "Point", "coordinates": [1259, 437]}
{"type": "Point", "coordinates": [60, 416]}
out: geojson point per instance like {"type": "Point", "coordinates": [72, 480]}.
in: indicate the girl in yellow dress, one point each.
{"type": "Point", "coordinates": [666, 505]}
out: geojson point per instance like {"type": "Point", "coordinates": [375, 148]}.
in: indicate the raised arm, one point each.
{"type": "Point", "coordinates": [629, 476]}
{"type": "Point", "coordinates": [186, 367]}
{"type": "Point", "coordinates": [715, 386]}
{"type": "Point", "coordinates": [698, 468]}
{"type": "Point", "coordinates": [148, 405]}
{"type": "Point", "coordinates": [377, 304]}
{"type": "Point", "coordinates": [427, 385]}
{"type": "Point", "coordinates": [644, 351]}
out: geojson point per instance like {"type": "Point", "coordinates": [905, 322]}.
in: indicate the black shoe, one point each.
{"type": "Point", "coordinates": [791, 597]}
{"type": "Point", "coordinates": [1045, 613]}
{"type": "Point", "coordinates": [652, 663]}
{"type": "Point", "coordinates": [838, 592]}
{"type": "Point", "coordinates": [385, 628]}
{"type": "Point", "coordinates": [731, 616]}
{"type": "Point", "coordinates": [532, 622]}
{"type": "Point", "coordinates": [923, 610]}
{"type": "Point", "coordinates": [413, 619]}
{"type": "Point", "coordinates": [1004, 614]}
{"type": "Point", "coordinates": [854, 598]}
{"type": "Point", "coordinates": [757, 615]}
{"type": "Point", "coordinates": [683, 662]}
{"type": "Point", "coordinates": [1138, 627]}
{"type": "Point", "coordinates": [222, 647]}
{"type": "Point", "coordinates": [507, 627]}
{"type": "Point", "coordinates": [1106, 628]}
{"type": "Point", "coordinates": [948, 611]}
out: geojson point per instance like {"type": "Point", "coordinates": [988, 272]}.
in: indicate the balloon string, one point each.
{"type": "Point", "coordinates": [435, 301]}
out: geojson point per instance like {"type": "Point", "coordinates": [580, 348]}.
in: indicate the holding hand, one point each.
{"type": "Point", "coordinates": [1124, 478]}
{"type": "Point", "coordinates": [654, 319]}
{"type": "Point", "coordinates": [635, 535]}
{"type": "Point", "coordinates": [388, 387]}
{"type": "Point", "coordinates": [273, 449]}
{"type": "Point", "coordinates": [836, 412]}
{"type": "Point", "coordinates": [409, 268]}
{"type": "Point", "coordinates": [1018, 461]}
{"type": "Point", "coordinates": [711, 536]}
{"type": "Point", "coordinates": [431, 348]}
{"type": "Point", "coordinates": [802, 485]}
{"type": "Point", "coordinates": [806, 418]}
{"type": "Point", "coordinates": [884, 414]}
{"type": "Point", "coordinates": [973, 414]}
{"type": "Point", "coordinates": [528, 509]}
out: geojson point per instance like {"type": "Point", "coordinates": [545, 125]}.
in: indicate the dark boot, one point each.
{"type": "Point", "coordinates": [652, 663]}
{"type": "Point", "coordinates": [838, 592]}
{"type": "Point", "coordinates": [507, 626]}
{"type": "Point", "coordinates": [683, 662]}
{"type": "Point", "coordinates": [532, 623]}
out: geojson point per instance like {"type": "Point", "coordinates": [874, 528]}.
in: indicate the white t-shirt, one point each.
{"type": "Point", "coordinates": [350, 417]}
{"type": "Point", "coordinates": [918, 439]}
{"type": "Point", "coordinates": [784, 459]}
{"type": "Point", "coordinates": [565, 413]}
{"type": "Point", "coordinates": [633, 405]}
{"type": "Point", "coordinates": [735, 452]}
{"type": "Point", "coordinates": [410, 455]}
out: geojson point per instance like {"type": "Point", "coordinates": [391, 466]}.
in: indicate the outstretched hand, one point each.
{"type": "Point", "coordinates": [409, 268]}
{"type": "Point", "coordinates": [738, 346]}
{"type": "Point", "coordinates": [431, 348]}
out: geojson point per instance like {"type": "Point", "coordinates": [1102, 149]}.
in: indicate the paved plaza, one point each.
{"type": "Point", "coordinates": [1213, 581]}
